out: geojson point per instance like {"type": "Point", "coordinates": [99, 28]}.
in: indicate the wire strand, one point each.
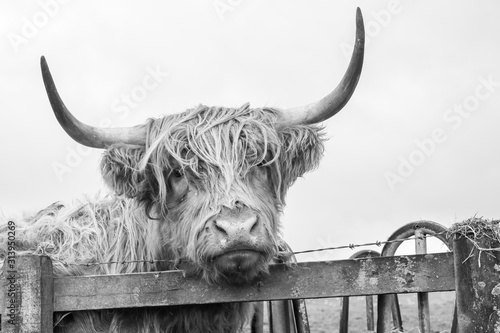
{"type": "Point", "coordinates": [377, 243]}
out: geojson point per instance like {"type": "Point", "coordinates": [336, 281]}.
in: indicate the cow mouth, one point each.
{"type": "Point", "coordinates": [241, 265]}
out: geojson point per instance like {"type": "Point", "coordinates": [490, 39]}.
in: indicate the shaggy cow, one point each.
{"type": "Point", "coordinates": [202, 189]}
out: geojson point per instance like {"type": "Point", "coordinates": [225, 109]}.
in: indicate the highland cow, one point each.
{"type": "Point", "coordinates": [203, 188]}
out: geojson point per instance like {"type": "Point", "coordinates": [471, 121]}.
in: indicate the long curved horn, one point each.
{"type": "Point", "coordinates": [337, 99]}
{"type": "Point", "coordinates": [90, 136]}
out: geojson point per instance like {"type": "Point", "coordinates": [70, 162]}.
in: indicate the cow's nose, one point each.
{"type": "Point", "coordinates": [236, 229]}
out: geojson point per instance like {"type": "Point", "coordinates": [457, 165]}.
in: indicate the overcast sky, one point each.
{"type": "Point", "coordinates": [419, 139]}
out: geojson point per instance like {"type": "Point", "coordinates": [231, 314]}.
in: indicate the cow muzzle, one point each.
{"type": "Point", "coordinates": [241, 244]}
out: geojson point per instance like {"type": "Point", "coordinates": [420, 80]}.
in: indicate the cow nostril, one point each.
{"type": "Point", "coordinates": [254, 226]}
{"type": "Point", "coordinates": [220, 229]}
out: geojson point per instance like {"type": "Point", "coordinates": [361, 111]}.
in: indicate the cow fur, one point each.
{"type": "Point", "coordinates": [223, 155]}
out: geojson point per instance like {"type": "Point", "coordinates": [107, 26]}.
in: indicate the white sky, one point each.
{"type": "Point", "coordinates": [422, 60]}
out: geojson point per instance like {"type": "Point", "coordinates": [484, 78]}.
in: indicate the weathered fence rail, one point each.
{"type": "Point", "coordinates": [372, 276]}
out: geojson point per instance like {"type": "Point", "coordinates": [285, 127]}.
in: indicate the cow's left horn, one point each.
{"type": "Point", "coordinates": [90, 136]}
{"type": "Point", "coordinates": [337, 99]}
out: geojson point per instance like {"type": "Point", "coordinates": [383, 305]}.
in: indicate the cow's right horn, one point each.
{"type": "Point", "coordinates": [89, 136]}
{"type": "Point", "coordinates": [337, 99]}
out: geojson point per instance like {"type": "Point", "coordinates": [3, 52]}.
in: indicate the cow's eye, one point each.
{"type": "Point", "coordinates": [178, 173]}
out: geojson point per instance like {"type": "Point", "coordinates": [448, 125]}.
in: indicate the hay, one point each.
{"type": "Point", "coordinates": [480, 232]}
{"type": "Point", "coordinates": [477, 230]}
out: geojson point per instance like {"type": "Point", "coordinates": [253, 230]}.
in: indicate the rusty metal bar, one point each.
{"type": "Point", "coordinates": [424, 321]}
{"type": "Point", "coordinates": [384, 312]}
{"type": "Point", "coordinates": [344, 315]}
{"type": "Point", "coordinates": [257, 325]}
{"type": "Point", "coordinates": [279, 317]}
{"type": "Point", "coordinates": [300, 314]}
{"type": "Point", "coordinates": [370, 320]}
{"type": "Point", "coordinates": [397, 319]}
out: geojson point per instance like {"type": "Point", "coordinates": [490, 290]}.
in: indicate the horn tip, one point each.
{"type": "Point", "coordinates": [360, 26]}
{"type": "Point", "coordinates": [359, 16]}
{"type": "Point", "coordinates": [44, 65]}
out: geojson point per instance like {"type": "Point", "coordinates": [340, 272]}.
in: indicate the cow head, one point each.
{"type": "Point", "coordinates": [215, 177]}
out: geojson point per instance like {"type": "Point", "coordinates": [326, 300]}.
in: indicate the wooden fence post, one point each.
{"type": "Point", "coordinates": [477, 282]}
{"type": "Point", "coordinates": [28, 297]}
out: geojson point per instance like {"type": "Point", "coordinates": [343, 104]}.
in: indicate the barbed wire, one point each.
{"type": "Point", "coordinates": [377, 243]}
{"type": "Point", "coordinates": [340, 247]}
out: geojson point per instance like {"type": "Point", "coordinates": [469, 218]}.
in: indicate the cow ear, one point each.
{"type": "Point", "coordinates": [302, 149]}
{"type": "Point", "coordinates": [120, 170]}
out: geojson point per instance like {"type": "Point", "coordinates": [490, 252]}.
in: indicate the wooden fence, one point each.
{"type": "Point", "coordinates": [31, 294]}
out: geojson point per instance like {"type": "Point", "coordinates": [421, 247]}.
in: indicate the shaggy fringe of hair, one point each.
{"type": "Point", "coordinates": [203, 148]}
